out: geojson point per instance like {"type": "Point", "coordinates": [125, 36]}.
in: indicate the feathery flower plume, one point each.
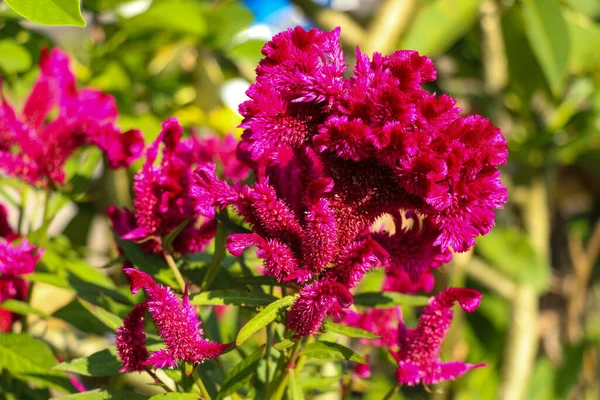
{"type": "Point", "coordinates": [131, 341]}
{"type": "Point", "coordinates": [332, 154]}
{"type": "Point", "coordinates": [176, 322]}
{"type": "Point", "coordinates": [419, 354]}
{"type": "Point", "coordinates": [35, 151]}
{"type": "Point", "coordinates": [162, 196]}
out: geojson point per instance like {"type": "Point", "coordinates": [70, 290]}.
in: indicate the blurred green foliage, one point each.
{"type": "Point", "coordinates": [531, 66]}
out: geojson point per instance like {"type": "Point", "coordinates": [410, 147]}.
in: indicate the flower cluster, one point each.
{"type": "Point", "coordinates": [15, 259]}
{"type": "Point", "coordinates": [162, 198]}
{"type": "Point", "coordinates": [332, 154]}
{"type": "Point", "coordinates": [176, 322]}
{"type": "Point", "coordinates": [35, 150]}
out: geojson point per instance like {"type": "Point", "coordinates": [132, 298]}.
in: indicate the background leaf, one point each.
{"type": "Point", "coordinates": [263, 318]}
{"type": "Point", "coordinates": [549, 38]}
{"type": "Point", "coordinates": [13, 57]}
{"type": "Point", "coordinates": [102, 363]}
{"type": "Point", "coordinates": [49, 12]}
{"type": "Point", "coordinates": [233, 297]}
{"type": "Point", "coordinates": [331, 351]}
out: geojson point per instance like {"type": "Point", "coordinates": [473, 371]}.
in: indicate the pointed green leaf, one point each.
{"type": "Point", "coordinates": [109, 319]}
{"type": "Point", "coordinates": [348, 331]}
{"type": "Point", "coordinates": [258, 280]}
{"type": "Point", "coordinates": [284, 344]}
{"type": "Point", "coordinates": [263, 318]}
{"type": "Point", "coordinates": [21, 307]}
{"type": "Point", "coordinates": [549, 38]}
{"type": "Point", "coordinates": [389, 300]}
{"type": "Point", "coordinates": [105, 395]}
{"type": "Point", "coordinates": [240, 374]}
{"type": "Point", "coordinates": [331, 350]}
{"type": "Point", "coordinates": [101, 363]}
{"type": "Point", "coordinates": [50, 12]}
{"type": "Point", "coordinates": [233, 297]}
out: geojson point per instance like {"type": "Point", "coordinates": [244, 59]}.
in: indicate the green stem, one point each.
{"type": "Point", "coordinates": [391, 393]}
{"type": "Point", "coordinates": [200, 384]}
{"type": "Point", "coordinates": [158, 380]}
{"type": "Point", "coordinates": [288, 366]}
{"type": "Point", "coordinates": [269, 343]}
{"type": "Point", "coordinates": [22, 206]}
{"type": "Point", "coordinates": [173, 266]}
{"type": "Point", "coordinates": [45, 217]}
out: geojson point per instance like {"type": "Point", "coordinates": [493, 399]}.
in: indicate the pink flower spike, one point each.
{"type": "Point", "coordinates": [131, 341]}
{"type": "Point", "coordinates": [176, 322]}
{"type": "Point", "coordinates": [419, 354]}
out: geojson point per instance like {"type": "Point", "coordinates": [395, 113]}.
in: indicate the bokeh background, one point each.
{"type": "Point", "coordinates": [531, 66]}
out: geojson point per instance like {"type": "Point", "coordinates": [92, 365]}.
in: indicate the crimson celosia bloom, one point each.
{"type": "Point", "coordinates": [131, 341]}
{"type": "Point", "coordinates": [162, 194]}
{"type": "Point", "coordinates": [15, 259]}
{"type": "Point", "coordinates": [413, 253]}
{"type": "Point", "coordinates": [35, 151]}
{"type": "Point", "coordinates": [332, 154]}
{"type": "Point", "coordinates": [176, 322]}
{"type": "Point", "coordinates": [419, 354]}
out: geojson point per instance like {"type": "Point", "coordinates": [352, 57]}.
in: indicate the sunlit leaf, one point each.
{"type": "Point", "coordinates": [348, 331]}
{"type": "Point", "coordinates": [105, 395]}
{"type": "Point", "coordinates": [102, 363]}
{"type": "Point", "coordinates": [50, 12]}
{"type": "Point", "coordinates": [232, 297]}
{"type": "Point", "coordinates": [240, 374]}
{"type": "Point", "coordinates": [331, 351]}
{"type": "Point", "coordinates": [263, 318]}
{"type": "Point", "coordinates": [389, 299]}
{"type": "Point", "coordinates": [13, 57]}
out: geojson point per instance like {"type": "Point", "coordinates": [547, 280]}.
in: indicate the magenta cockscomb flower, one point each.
{"type": "Point", "coordinates": [35, 150]}
{"type": "Point", "coordinates": [18, 259]}
{"type": "Point", "coordinates": [176, 322]}
{"type": "Point", "coordinates": [332, 154]}
{"type": "Point", "coordinates": [162, 196]}
{"type": "Point", "coordinates": [130, 340]}
{"type": "Point", "coordinates": [419, 354]}
{"type": "Point", "coordinates": [413, 253]}
{"type": "Point", "coordinates": [15, 259]}
{"type": "Point", "coordinates": [386, 142]}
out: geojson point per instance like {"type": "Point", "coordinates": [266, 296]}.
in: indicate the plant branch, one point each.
{"type": "Point", "coordinates": [158, 380]}
{"type": "Point", "coordinates": [491, 278]}
{"type": "Point", "coordinates": [200, 384]}
{"type": "Point", "coordinates": [390, 21]}
{"type": "Point", "coordinates": [171, 263]}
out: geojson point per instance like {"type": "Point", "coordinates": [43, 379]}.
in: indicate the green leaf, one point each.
{"type": "Point", "coordinates": [511, 251]}
{"type": "Point", "coordinates": [439, 24]}
{"type": "Point", "coordinates": [168, 239]}
{"type": "Point", "coordinates": [109, 319]}
{"type": "Point", "coordinates": [31, 360]}
{"type": "Point", "coordinates": [389, 300]}
{"type": "Point", "coordinates": [183, 16]}
{"type": "Point", "coordinates": [263, 318]}
{"type": "Point", "coordinates": [284, 344]}
{"type": "Point", "coordinates": [218, 256]}
{"type": "Point", "coordinates": [233, 297]}
{"type": "Point", "coordinates": [101, 363]}
{"type": "Point", "coordinates": [147, 262]}
{"type": "Point", "coordinates": [548, 36]}
{"type": "Point", "coordinates": [349, 331]}
{"type": "Point", "coordinates": [294, 389]}
{"type": "Point", "coordinates": [331, 350]}
{"type": "Point", "coordinates": [585, 42]}
{"type": "Point", "coordinates": [21, 307]}
{"type": "Point", "coordinates": [240, 374]}
{"type": "Point", "coordinates": [13, 57]}
{"type": "Point", "coordinates": [105, 395]}
{"type": "Point", "coordinates": [225, 20]}
{"type": "Point", "coordinates": [50, 12]}
{"type": "Point", "coordinates": [175, 396]}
